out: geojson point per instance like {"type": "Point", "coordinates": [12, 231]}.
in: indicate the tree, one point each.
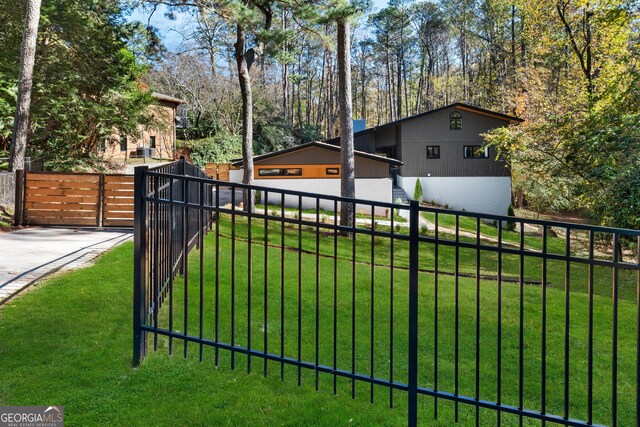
{"type": "Point", "coordinates": [25, 85]}
{"type": "Point", "coordinates": [347, 176]}
{"type": "Point", "coordinates": [431, 35]}
{"type": "Point", "coordinates": [87, 80]}
{"type": "Point", "coordinates": [250, 18]}
{"type": "Point", "coordinates": [558, 64]}
{"type": "Point", "coordinates": [417, 192]}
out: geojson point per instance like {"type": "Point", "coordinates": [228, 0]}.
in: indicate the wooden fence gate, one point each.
{"type": "Point", "coordinates": [218, 171]}
{"type": "Point", "coordinates": [74, 199]}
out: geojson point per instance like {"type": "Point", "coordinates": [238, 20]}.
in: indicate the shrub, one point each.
{"type": "Point", "coordinates": [417, 193]}
{"type": "Point", "coordinates": [220, 148]}
{"type": "Point", "coordinates": [511, 225]}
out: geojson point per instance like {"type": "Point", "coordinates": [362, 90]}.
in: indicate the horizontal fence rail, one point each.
{"type": "Point", "coordinates": [456, 316]}
{"type": "Point", "coordinates": [74, 199]}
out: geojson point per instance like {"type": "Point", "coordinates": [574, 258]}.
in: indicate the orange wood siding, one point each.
{"type": "Point", "coordinates": [308, 171]}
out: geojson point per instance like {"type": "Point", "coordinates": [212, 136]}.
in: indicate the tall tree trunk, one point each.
{"type": "Point", "coordinates": [347, 176]}
{"type": "Point", "coordinates": [320, 117]}
{"type": "Point", "coordinates": [429, 96]}
{"type": "Point", "coordinates": [25, 84]}
{"type": "Point", "coordinates": [298, 90]}
{"type": "Point", "coordinates": [330, 98]}
{"type": "Point", "coordinates": [285, 91]}
{"type": "Point", "coordinates": [513, 38]}
{"type": "Point", "coordinates": [389, 88]}
{"type": "Point", "coordinates": [404, 81]}
{"type": "Point", "coordinates": [379, 103]}
{"type": "Point", "coordinates": [309, 99]}
{"type": "Point", "coordinates": [247, 115]}
{"type": "Point", "coordinates": [399, 86]}
{"type": "Point", "coordinates": [363, 99]}
{"type": "Point", "coordinates": [584, 54]}
{"type": "Point", "coordinates": [285, 75]}
{"type": "Point", "coordinates": [420, 81]}
{"type": "Point", "coordinates": [463, 56]}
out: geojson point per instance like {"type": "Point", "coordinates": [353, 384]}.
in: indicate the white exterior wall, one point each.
{"type": "Point", "coordinates": [235, 175]}
{"type": "Point", "coordinates": [375, 189]}
{"type": "Point", "coordinates": [484, 194]}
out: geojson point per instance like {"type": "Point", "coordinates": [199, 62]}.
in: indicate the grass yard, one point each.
{"type": "Point", "coordinates": [68, 342]}
{"type": "Point", "coordinates": [377, 300]}
{"type": "Point", "coordinates": [323, 214]}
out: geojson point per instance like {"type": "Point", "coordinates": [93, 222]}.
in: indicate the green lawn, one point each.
{"type": "Point", "coordinates": [69, 341]}
{"type": "Point", "coordinates": [509, 238]}
{"type": "Point", "coordinates": [325, 215]}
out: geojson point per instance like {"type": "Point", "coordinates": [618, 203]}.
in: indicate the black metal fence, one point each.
{"type": "Point", "coordinates": [458, 316]}
{"type": "Point", "coordinates": [164, 235]}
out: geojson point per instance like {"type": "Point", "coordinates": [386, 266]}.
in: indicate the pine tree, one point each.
{"type": "Point", "coordinates": [417, 192]}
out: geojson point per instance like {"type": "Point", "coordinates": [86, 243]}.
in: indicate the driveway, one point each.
{"type": "Point", "coordinates": [32, 253]}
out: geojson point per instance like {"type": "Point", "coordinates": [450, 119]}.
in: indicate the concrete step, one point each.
{"type": "Point", "coordinates": [399, 193]}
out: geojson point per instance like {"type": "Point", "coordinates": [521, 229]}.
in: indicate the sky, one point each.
{"type": "Point", "coordinates": [171, 31]}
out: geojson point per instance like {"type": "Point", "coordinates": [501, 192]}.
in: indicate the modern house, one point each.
{"type": "Point", "coordinates": [158, 141]}
{"type": "Point", "coordinates": [315, 168]}
{"type": "Point", "coordinates": [443, 148]}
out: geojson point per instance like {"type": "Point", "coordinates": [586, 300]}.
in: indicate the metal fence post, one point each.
{"type": "Point", "coordinates": [140, 263]}
{"type": "Point", "coordinates": [18, 212]}
{"type": "Point", "coordinates": [413, 312]}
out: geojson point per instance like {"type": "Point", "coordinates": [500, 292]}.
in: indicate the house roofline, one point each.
{"type": "Point", "coordinates": [167, 98]}
{"type": "Point", "coordinates": [460, 105]}
{"type": "Point", "coordinates": [392, 162]}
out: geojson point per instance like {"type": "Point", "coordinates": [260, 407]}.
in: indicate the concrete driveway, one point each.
{"type": "Point", "coordinates": [33, 253]}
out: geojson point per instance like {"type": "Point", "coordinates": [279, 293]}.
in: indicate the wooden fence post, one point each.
{"type": "Point", "coordinates": [18, 212]}
{"type": "Point", "coordinates": [100, 207]}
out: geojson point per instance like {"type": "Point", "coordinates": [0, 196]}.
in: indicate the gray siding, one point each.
{"type": "Point", "coordinates": [369, 168]}
{"type": "Point", "coordinates": [365, 142]}
{"type": "Point", "coordinates": [451, 161]}
{"type": "Point", "coordinates": [433, 129]}
{"type": "Point", "coordinates": [386, 136]}
{"type": "Point", "coordinates": [407, 139]}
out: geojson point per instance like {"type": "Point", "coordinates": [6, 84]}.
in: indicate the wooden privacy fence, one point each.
{"type": "Point", "coordinates": [218, 171]}
{"type": "Point", "coordinates": [117, 201]}
{"type": "Point", "coordinates": [74, 199]}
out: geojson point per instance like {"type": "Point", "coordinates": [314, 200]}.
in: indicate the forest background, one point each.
{"type": "Point", "coordinates": [569, 68]}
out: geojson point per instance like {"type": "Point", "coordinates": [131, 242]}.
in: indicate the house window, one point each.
{"type": "Point", "coordinates": [123, 143]}
{"type": "Point", "coordinates": [280, 172]}
{"type": "Point", "coordinates": [433, 151]}
{"type": "Point", "coordinates": [476, 152]}
{"type": "Point", "coordinates": [101, 145]}
{"type": "Point", "coordinates": [455, 121]}
{"type": "Point", "coordinates": [332, 171]}
{"type": "Point", "coordinates": [152, 142]}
